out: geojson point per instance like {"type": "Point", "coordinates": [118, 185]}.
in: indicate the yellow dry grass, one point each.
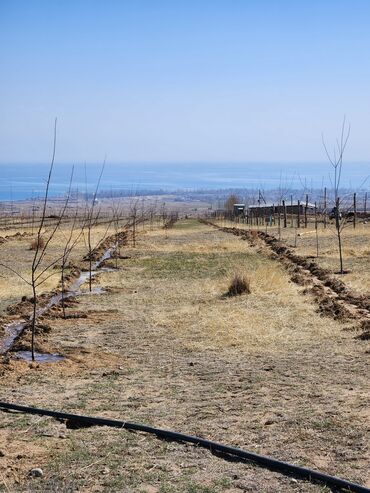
{"type": "Point", "coordinates": [356, 249]}
{"type": "Point", "coordinates": [16, 253]}
{"type": "Point", "coordinates": [163, 346]}
{"type": "Point", "coordinates": [195, 311]}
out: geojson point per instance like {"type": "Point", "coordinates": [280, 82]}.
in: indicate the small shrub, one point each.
{"type": "Point", "coordinates": [240, 284]}
{"type": "Point", "coordinates": [40, 243]}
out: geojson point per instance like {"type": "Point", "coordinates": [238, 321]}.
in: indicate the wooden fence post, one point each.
{"type": "Point", "coordinates": [305, 212]}
{"type": "Point", "coordinates": [291, 212]}
{"type": "Point", "coordinates": [284, 209]}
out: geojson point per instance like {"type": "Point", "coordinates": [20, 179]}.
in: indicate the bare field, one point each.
{"type": "Point", "coordinates": [164, 346]}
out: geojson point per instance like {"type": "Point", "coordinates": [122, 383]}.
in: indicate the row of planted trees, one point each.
{"type": "Point", "coordinates": [54, 239]}
{"type": "Point", "coordinates": [334, 211]}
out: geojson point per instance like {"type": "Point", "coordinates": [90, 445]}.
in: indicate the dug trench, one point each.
{"type": "Point", "coordinates": [333, 297]}
{"type": "Point", "coordinates": [17, 324]}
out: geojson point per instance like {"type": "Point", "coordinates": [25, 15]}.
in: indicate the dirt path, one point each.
{"type": "Point", "coordinates": [263, 372]}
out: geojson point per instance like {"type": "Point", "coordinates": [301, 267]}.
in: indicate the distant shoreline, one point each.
{"type": "Point", "coordinates": [26, 181]}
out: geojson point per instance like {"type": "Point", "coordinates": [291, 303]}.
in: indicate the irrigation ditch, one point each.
{"type": "Point", "coordinates": [15, 329]}
{"type": "Point", "coordinates": [333, 297]}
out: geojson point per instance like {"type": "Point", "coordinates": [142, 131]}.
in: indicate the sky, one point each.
{"type": "Point", "coordinates": [183, 80]}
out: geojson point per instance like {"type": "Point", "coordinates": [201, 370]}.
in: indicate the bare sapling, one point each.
{"type": "Point", "coordinates": [152, 212]}
{"type": "Point", "coordinates": [40, 268]}
{"type": "Point", "coordinates": [354, 210]}
{"type": "Point", "coordinates": [92, 220]}
{"type": "Point", "coordinates": [117, 214]}
{"type": "Point", "coordinates": [39, 271]}
{"type": "Point", "coordinates": [284, 190]}
{"type": "Point", "coordinates": [142, 213]}
{"type": "Point", "coordinates": [71, 240]}
{"type": "Point", "coordinates": [336, 160]}
{"type": "Point", "coordinates": [163, 216]}
{"type": "Point", "coordinates": [170, 221]}
{"type": "Point", "coordinates": [365, 206]}
{"type": "Point", "coordinates": [134, 219]}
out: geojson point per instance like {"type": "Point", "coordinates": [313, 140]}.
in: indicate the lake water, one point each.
{"type": "Point", "coordinates": [23, 181]}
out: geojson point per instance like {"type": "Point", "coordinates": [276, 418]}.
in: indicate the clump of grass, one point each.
{"type": "Point", "coordinates": [37, 243]}
{"type": "Point", "coordinates": [240, 284]}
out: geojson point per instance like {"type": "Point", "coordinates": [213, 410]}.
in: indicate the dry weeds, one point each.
{"type": "Point", "coordinates": [37, 243]}
{"type": "Point", "coordinates": [240, 284]}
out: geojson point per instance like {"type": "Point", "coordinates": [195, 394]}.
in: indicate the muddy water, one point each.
{"type": "Point", "coordinates": [39, 357]}
{"type": "Point", "coordinates": [14, 329]}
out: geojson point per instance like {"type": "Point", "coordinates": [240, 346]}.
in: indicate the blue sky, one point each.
{"type": "Point", "coordinates": [183, 80]}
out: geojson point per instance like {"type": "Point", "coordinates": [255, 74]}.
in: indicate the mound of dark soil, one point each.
{"type": "Point", "coordinates": [333, 308]}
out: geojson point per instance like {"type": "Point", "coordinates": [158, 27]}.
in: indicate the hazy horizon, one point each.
{"type": "Point", "coordinates": [20, 181]}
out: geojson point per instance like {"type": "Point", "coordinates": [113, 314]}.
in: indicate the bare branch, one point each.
{"type": "Point", "coordinates": [15, 272]}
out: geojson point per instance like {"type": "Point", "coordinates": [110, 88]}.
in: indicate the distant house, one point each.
{"type": "Point", "coordinates": [239, 209]}
{"type": "Point", "coordinates": [265, 210]}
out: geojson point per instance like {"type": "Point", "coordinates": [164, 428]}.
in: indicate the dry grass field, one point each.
{"type": "Point", "coordinates": [164, 346]}
{"type": "Point", "coordinates": [356, 249]}
{"type": "Point", "coordinates": [16, 253]}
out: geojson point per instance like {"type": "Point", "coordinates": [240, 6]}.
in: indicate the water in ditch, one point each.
{"type": "Point", "coordinates": [14, 329]}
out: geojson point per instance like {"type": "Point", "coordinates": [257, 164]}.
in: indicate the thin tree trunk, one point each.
{"type": "Point", "coordinates": [33, 324]}
{"type": "Point", "coordinates": [365, 205]}
{"type": "Point", "coordinates": [305, 212]}
{"type": "Point", "coordinates": [337, 225]}
{"type": "Point", "coordinates": [354, 210]}
{"type": "Point", "coordinates": [317, 232]}
{"type": "Point", "coordinates": [285, 218]}
{"type": "Point", "coordinates": [340, 251]}
{"type": "Point", "coordinates": [62, 280]}
{"type": "Point", "coordinates": [118, 250]}
{"type": "Point", "coordinates": [134, 232]}
{"type": "Point", "coordinates": [90, 273]}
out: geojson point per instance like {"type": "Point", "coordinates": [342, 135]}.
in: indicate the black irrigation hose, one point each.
{"type": "Point", "coordinates": [283, 467]}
